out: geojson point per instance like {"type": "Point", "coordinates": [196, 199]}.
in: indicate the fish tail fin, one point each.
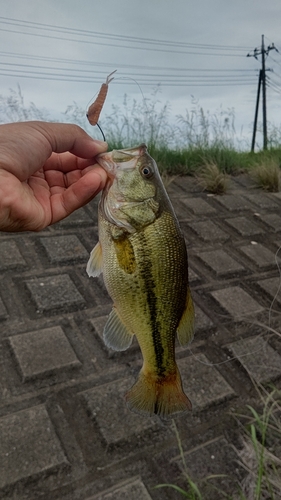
{"type": "Point", "coordinates": [161, 396]}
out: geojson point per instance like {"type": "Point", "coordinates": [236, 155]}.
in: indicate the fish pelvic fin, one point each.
{"type": "Point", "coordinates": [185, 330]}
{"type": "Point", "coordinates": [154, 395]}
{"type": "Point", "coordinates": [94, 266]}
{"type": "Point", "coordinates": [115, 334]}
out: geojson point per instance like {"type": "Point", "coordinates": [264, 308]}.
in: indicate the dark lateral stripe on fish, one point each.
{"type": "Point", "coordinates": [154, 323]}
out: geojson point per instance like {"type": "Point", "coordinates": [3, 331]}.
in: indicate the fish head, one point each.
{"type": "Point", "coordinates": [131, 196]}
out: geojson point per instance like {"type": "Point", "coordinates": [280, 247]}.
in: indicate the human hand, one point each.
{"type": "Point", "coordinates": [47, 170]}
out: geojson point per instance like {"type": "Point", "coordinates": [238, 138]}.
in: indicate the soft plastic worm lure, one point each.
{"type": "Point", "coordinates": [95, 108]}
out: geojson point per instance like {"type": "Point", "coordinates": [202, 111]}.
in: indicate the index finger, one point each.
{"type": "Point", "coordinates": [25, 147]}
{"type": "Point", "coordinates": [66, 162]}
{"type": "Point", "coordinates": [64, 137]}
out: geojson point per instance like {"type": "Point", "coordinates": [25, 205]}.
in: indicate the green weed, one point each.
{"type": "Point", "coordinates": [260, 450]}
{"type": "Point", "coordinates": [259, 455]}
{"type": "Point", "coordinates": [267, 175]}
{"type": "Point", "coordinates": [193, 492]}
{"type": "Point", "coordinates": [211, 179]}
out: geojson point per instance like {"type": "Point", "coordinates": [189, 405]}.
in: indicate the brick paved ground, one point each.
{"type": "Point", "coordinates": [65, 431]}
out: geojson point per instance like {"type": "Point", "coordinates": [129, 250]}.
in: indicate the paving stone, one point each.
{"type": "Point", "coordinates": [29, 446]}
{"type": "Point", "coordinates": [259, 255]}
{"type": "Point", "coordinates": [216, 456]}
{"type": "Point", "coordinates": [180, 209]}
{"type": "Point", "coordinates": [208, 231]}
{"type": "Point", "coordinates": [77, 218]}
{"type": "Point", "coordinates": [3, 310]}
{"type": "Point", "coordinates": [220, 262]}
{"type": "Point", "coordinates": [193, 276]}
{"type": "Point", "coordinates": [234, 202]}
{"type": "Point", "coordinates": [245, 180]}
{"type": "Point", "coordinates": [10, 256]}
{"type": "Point", "coordinates": [272, 287]}
{"type": "Point", "coordinates": [277, 195]}
{"type": "Point", "coordinates": [130, 490]}
{"type": "Point", "coordinates": [202, 382]}
{"type": "Point", "coordinates": [244, 226]}
{"type": "Point", "coordinates": [171, 189]}
{"type": "Point", "coordinates": [52, 292]}
{"type": "Point", "coordinates": [64, 248]}
{"type": "Point", "coordinates": [271, 220]}
{"type": "Point", "coordinates": [43, 352]}
{"type": "Point", "coordinates": [187, 184]}
{"type": "Point", "coordinates": [202, 321]}
{"type": "Point", "coordinates": [261, 200]}
{"type": "Point", "coordinates": [98, 324]}
{"type": "Point", "coordinates": [107, 405]}
{"type": "Point", "coordinates": [236, 302]}
{"type": "Point", "coordinates": [260, 360]}
{"type": "Point", "coordinates": [199, 206]}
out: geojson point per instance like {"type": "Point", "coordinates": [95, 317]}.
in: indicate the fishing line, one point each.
{"type": "Point", "coordinates": [226, 360]}
{"type": "Point", "coordinates": [137, 83]}
{"type": "Point", "coordinates": [97, 124]}
{"type": "Point", "coordinates": [144, 99]}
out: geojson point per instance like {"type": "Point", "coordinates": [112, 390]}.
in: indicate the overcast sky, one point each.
{"type": "Point", "coordinates": [60, 51]}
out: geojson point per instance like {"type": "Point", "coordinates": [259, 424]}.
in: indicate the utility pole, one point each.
{"type": "Point", "coordinates": [256, 111]}
{"type": "Point", "coordinates": [262, 82]}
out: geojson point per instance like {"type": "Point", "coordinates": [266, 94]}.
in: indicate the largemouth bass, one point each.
{"type": "Point", "coordinates": [142, 255]}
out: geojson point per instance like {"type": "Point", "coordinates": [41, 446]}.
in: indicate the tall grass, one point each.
{"type": "Point", "coordinates": [180, 145]}
{"type": "Point", "coordinates": [14, 109]}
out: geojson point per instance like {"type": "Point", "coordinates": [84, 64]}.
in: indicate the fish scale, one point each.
{"type": "Point", "coordinates": [145, 271]}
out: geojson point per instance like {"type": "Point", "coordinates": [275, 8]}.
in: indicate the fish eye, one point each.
{"type": "Point", "coordinates": [147, 172]}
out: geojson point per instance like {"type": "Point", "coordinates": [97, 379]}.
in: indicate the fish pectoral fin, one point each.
{"type": "Point", "coordinates": [185, 330]}
{"type": "Point", "coordinates": [94, 266]}
{"type": "Point", "coordinates": [115, 334]}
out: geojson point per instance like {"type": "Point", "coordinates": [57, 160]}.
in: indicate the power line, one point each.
{"type": "Point", "coordinates": [273, 85]}
{"type": "Point", "coordinates": [130, 80]}
{"type": "Point", "coordinates": [136, 43]}
{"type": "Point", "coordinates": [120, 46]}
{"type": "Point", "coordinates": [88, 33]}
{"type": "Point", "coordinates": [139, 75]}
{"type": "Point", "coordinates": [122, 65]}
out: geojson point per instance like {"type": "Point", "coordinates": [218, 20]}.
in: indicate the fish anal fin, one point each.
{"type": "Point", "coordinates": [94, 266]}
{"type": "Point", "coordinates": [153, 395]}
{"type": "Point", "coordinates": [115, 334]}
{"type": "Point", "coordinates": [185, 330]}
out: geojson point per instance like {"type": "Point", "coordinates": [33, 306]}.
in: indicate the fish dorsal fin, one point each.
{"type": "Point", "coordinates": [94, 266]}
{"type": "Point", "coordinates": [115, 334]}
{"type": "Point", "coordinates": [185, 330]}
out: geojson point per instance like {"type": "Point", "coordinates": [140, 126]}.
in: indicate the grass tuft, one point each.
{"type": "Point", "coordinates": [211, 179]}
{"type": "Point", "coordinates": [267, 175]}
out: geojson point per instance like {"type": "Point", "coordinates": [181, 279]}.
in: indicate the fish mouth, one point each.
{"type": "Point", "coordinates": [124, 159]}
{"type": "Point", "coordinates": [113, 162]}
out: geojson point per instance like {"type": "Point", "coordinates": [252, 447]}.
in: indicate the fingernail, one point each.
{"type": "Point", "coordinates": [101, 143]}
